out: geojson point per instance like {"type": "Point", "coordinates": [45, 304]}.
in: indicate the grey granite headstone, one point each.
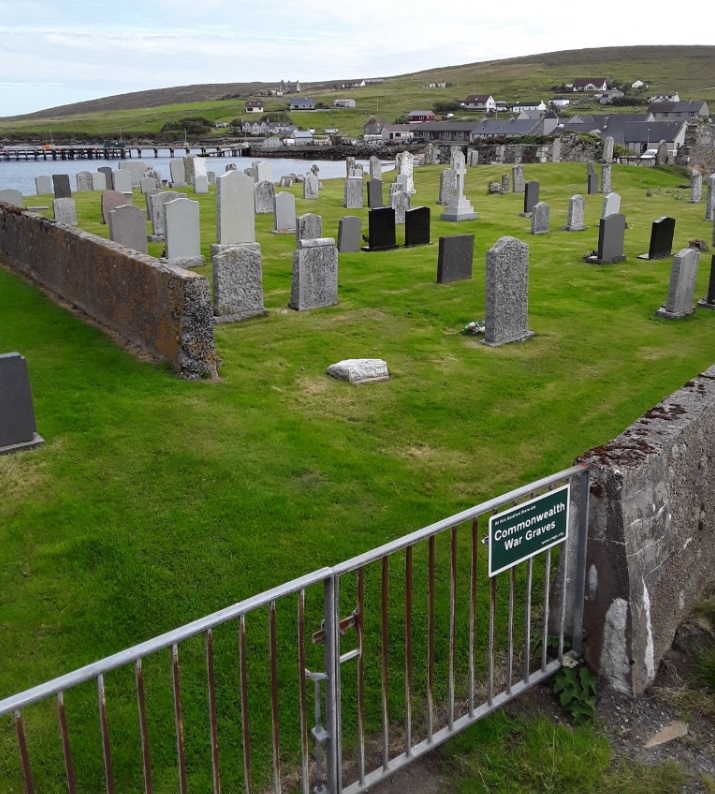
{"type": "Point", "coordinates": [417, 227]}
{"type": "Point", "coordinates": [65, 211]}
{"type": "Point", "coordinates": [183, 233]}
{"type": "Point", "coordinates": [84, 181]}
{"type": "Point", "coordinates": [575, 216]}
{"type": "Point", "coordinates": [235, 210]}
{"type": "Point", "coordinates": [43, 185]}
{"type": "Point", "coordinates": [212, 177]}
{"type": "Point", "coordinates": [710, 199]}
{"type": "Point", "coordinates": [356, 172]}
{"type": "Point", "coordinates": [18, 430]}
{"type": "Point", "coordinates": [455, 259]}
{"type": "Point", "coordinates": [404, 165]}
{"type": "Point", "coordinates": [264, 171]}
{"type": "Point", "coordinates": [611, 236]}
{"type": "Point", "coordinates": [127, 227]}
{"type": "Point", "coordinates": [135, 169]}
{"type": "Point", "coordinates": [156, 202]}
{"type": "Point", "coordinates": [494, 187]}
{"type": "Point", "coordinates": [661, 154]}
{"type": "Point", "coordinates": [592, 184]}
{"type": "Point", "coordinates": [505, 183]}
{"type": "Point", "coordinates": [531, 198]}
{"type": "Point", "coordinates": [507, 293]}
{"type": "Point", "coordinates": [109, 201]}
{"type": "Point", "coordinates": [99, 181]}
{"type": "Point", "coordinates": [349, 234]}
{"type": "Point", "coordinates": [178, 172]}
{"type": "Point", "coordinates": [286, 181]}
{"type": "Point", "coordinates": [310, 186]}
{"type": "Point", "coordinates": [237, 282]}
{"type": "Point", "coordinates": [284, 214]}
{"type": "Point", "coordinates": [375, 168]}
{"type": "Point", "coordinates": [308, 227]}
{"type": "Point", "coordinates": [540, 218]}
{"type": "Point", "coordinates": [608, 149]}
{"type": "Point", "coordinates": [201, 184]}
{"type": "Point", "coordinates": [381, 229]}
{"type": "Point", "coordinates": [146, 184]}
{"type": "Point", "coordinates": [122, 181]}
{"type": "Point", "coordinates": [661, 239]}
{"type": "Point", "coordinates": [681, 290]}
{"type": "Point", "coordinates": [315, 274]}
{"type": "Point", "coordinates": [472, 158]}
{"type": "Point", "coordinates": [265, 196]}
{"type": "Point", "coordinates": [349, 165]}
{"type": "Point", "coordinates": [611, 205]}
{"type": "Point", "coordinates": [360, 370]}
{"type": "Point", "coordinates": [447, 186]}
{"type": "Point", "coordinates": [696, 187]}
{"type": "Point", "coordinates": [11, 196]}
{"type": "Point", "coordinates": [400, 202]}
{"type": "Point", "coordinates": [605, 178]}
{"type": "Point", "coordinates": [108, 176]}
{"type": "Point", "coordinates": [460, 208]}
{"type": "Point", "coordinates": [375, 198]}
{"type": "Point", "coordinates": [61, 186]}
{"type": "Point", "coordinates": [353, 194]}
{"type": "Point", "coordinates": [517, 178]}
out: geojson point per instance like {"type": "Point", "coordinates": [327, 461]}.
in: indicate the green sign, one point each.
{"type": "Point", "coordinates": [528, 529]}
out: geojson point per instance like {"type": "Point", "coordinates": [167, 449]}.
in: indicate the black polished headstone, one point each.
{"type": "Point", "coordinates": [661, 239]}
{"type": "Point", "coordinates": [17, 416]}
{"type": "Point", "coordinates": [531, 197]}
{"type": "Point", "coordinates": [61, 186]}
{"type": "Point", "coordinates": [592, 184]}
{"type": "Point", "coordinates": [417, 227]}
{"type": "Point", "coordinates": [349, 234]}
{"type": "Point", "coordinates": [591, 167]}
{"type": "Point", "coordinates": [381, 223]}
{"type": "Point", "coordinates": [456, 256]}
{"type": "Point", "coordinates": [109, 178]}
{"type": "Point", "coordinates": [375, 198]}
{"type": "Point", "coordinates": [611, 236]}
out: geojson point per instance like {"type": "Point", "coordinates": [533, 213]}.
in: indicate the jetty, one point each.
{"type": "Point", "coordinates": [99, 152]}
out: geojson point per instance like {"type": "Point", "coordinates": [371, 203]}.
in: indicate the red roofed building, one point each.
{"type": "Point", "coordinates": [417, 116]}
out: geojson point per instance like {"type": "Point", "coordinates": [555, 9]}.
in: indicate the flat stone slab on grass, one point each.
{"type": "Point", "coordinates": [360, 370]}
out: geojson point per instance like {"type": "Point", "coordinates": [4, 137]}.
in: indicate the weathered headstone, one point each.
{"type": "Point", "coordinates": [109, 201]}
{"type": "Point", "coordinates": [108, 176]}
{"type": "Point", "coordinates": [505, 183]}
{"type": "Point", "coordinates": [575, 216]}
{"type": "Point", "coordinates": [284, 214]}
{"type": "Point", "coordinates": [315, 274]}
{"type": "Point", "coordinates": [265, 195]}
{"type": "Point", "coordinates": [405, 165]}
{"type": "Point", "coordinates": [156, 202]}
{"type": "Point", "coordinates": [608, 149]}
{"type": "Point", "coordinates": [472, 158]}
{"type": "Point", "coordinates": [349, 165]}
{"type": "Point", "coordinates": [540, 218]}
{"type": "Point", "coordinates": [696, 186]}
{"type": "Point", "coordinates": [400, 202]}
{"type": "Point", "coordinates": [237, 282]}
{"type": "Point", "coordinates": [611, 235]}
{"type": "Point", "coordinates": [353, 194]}
{"type": "Point", "coordinates": [183, 233]}
{"type": "Point", "coordinates": [178, 172]}
{"type": "Point", "coordinates": [264, 171]}
{"type": "Point", "coordinates": [147, 183]}
{"type": "Point", "coordinates": [84, 181]}
{"type": "Point", "coordinates": [431, 156]}
{"type": "Point", "coordinates": [18, 430]}
{"type": "Point", "coordinates": [43, 185]}
{"type": "Point", "coordinates": [517, 178]}
{"type": "Point", "coordinates": [611, 205]}
{"type": "Point", "coordinates": [127, 227]}
{"type": "Point", "coordinates": [61, 186]}
{"type": "Point", "coordinates": [507, 293]}
{"type": "Point", "coordinates": [592, 184]}
{"type": "Point", "coordinates": [349, 234]}
{"type": "Point", "coordinates": [11, 196]}
{"type": "Point", "coordinates": [531, 198]}
{"type": "Point", "coordinates": [455, 259]}
{"type": "Point", "coordinates": [65, 211]}
{"type": "Point", "coordinates": [460, 208]}
{"type": "Point", "coordinates": [286, 181]}
{"type": "Point", "coordinates": [310, 186]}
{"type": "Point", "coordinates": [605, 178]}
{"type": "Point", "coordinates": [494, 187]}
{"type": "Point", "coordinates": [661, 239]}
{"type": "Point", "coordinates": [375, 198]}
{"type": "Point", "coordinates": [201, 184]}
{"type": "Point", "coordinates": [135, 169]}
{"type": "Point", "coordinates": [122, 181]}
{"type": "Point", "coordinates": [710, 199]}
{"type": "Point", "coordinates": [360, 370]}
{"type": "Point", "coordinates": [235, 214]}
{"type": "Point", "coordinates": [308, 227]}
{"type": "Point", "coordinates": [417, 226]}
{"type": "Point", "coordinates": [681, 290]}
{"type": "Point", "coordinates": [381, 229]}
{"type": "Point", "coordinates": [447, 186]}
{"type": "Point", "coordinates": [212, 177]}
{"type": "Point", "coordinates": [708, 302]}
{"type": "Point", "coordinates": [661, 154]}
{"type": "Point", "coordinates": [99, 181]}
{"type": "Point", "coordinates": [591, 166]}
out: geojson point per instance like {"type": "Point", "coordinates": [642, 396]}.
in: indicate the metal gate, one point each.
{"type": "Point", "coordinates": [402, 647]}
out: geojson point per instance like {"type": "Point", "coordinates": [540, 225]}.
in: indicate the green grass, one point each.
{"type": "Point", "coordinates": [156, 500]}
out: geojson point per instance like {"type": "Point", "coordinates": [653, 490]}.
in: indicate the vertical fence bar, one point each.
{"type": "Point", "coordinates": [510, 642]}
{"type": "Point", "coordinates": [104, 724]}
{"type": "Point", "coordinates": [66, 749]}
{"type": "Point", "coordinates": [492, 608]}
{"type": "Point", "coordinates": [333, 772]}
{"type": "Point", "coordinates": [244, 704]}
{"type": "Point", "coordinates": [361, 673]}
{"type": "Point", "coordinates": [527, 623]}
{"type": "Point", "coordinates": [580, 576]}
{"type": "Point", "coordinates": [408, 651]}
{"type": "Point", "coordinates": [545, 627]}
{"type": "Point", "coordinates": [472, 611]}
{"type": "Point", "coordinates": [274, 700]}
{"type": "Point", "coordinates": [178, 719]}
{"type": "Point", "coordinates": [143, 732]}
{"type": "Point", "coordinates": [385, 719]}
{"type": "Point", "coordinates": [213, 720]}
{"type": "Point", "coordinates": [452, 628]}
{"type": "Point", "coordinates": [304, 768]}
{"type": "Point", "coordinates": [430, 641]}
{"type": "Point", "coordinates": [22, 744]}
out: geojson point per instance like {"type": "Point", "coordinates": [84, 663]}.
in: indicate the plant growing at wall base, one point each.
{"type": "Point", "coordinates": [576, 688]}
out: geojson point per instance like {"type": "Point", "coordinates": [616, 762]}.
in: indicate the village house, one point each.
{"type": "Point", "coordinates": [559, 102]}
{"type": "Point", "coordinates": [447, 131]}
{"type": "Point", "coordinates": [289, 87]}
{"type": "Point", "coordinates": [480, 103]}
{"type": "Point", "coordinates": [590, 84]}
{"type": "Point", "coordinates": [518, 107]}
{"type": "Point", "coordinates": [397, 132]}
{"type": "Point", "coordinates": [302, 103]}
{"type": "Point", "coordinates": [607, 97]}
{"type": "Point", "coordinates": [254, 107]}
{"type": "Point", "coordinates": [506, 128]}
{"type": "Point", "coordinates": [344, 103]}
{"type": "Point", "coordinates": [372, 126]}
{"type": "Point", "coordinates": [674, 96]}
{"type": "Point", "coordinates": [418, 116]}
{"type": "Point", "coordinates": [354, 84]}
{"type": "Point", "coordinates": [687, 109]}
{"type": "Point", "coordinates": [300, 138]}
{"type": "Point", "coordinates": [639, 84]}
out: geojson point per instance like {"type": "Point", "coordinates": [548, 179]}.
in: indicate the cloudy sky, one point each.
{"type": "Point", "coordinates": [53, 52]}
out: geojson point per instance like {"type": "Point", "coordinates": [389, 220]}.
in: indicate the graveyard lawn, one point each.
{"type": "Point", "coordinates": [156, 500]}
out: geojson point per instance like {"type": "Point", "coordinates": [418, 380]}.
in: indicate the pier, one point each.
{"type": "Point", "coordinates": [96, 152]}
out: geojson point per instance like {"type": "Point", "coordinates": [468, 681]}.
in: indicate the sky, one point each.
{"type": "Point", "coordinates": [54, 52]}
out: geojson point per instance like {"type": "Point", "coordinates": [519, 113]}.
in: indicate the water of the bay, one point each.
{"type": "Point", "coordinates": [21, 174]}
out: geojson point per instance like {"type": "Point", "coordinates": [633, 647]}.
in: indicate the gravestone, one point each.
{"type": "Point", "coordinates": [396, 187]}
{"type": "Point", "coordinates": [349, 234]}
{"type": "Point", "coordinates": [310, 186]}
{"type": "Point", "coordinates": [375, 198]}
{"type": "Point", "coordinates": [250, 172]}
{"type": "Point", "coordinates": [18, 430]}
{"type": "Point", "coordinates": [681, 290]}
{"type": "Point", "coordinates": [540, 218]}
{"type": "Point", "coordinates": [405, 165]}
{"type": "Point", "coordinates": [447, 186]}
{"type": "Point", "coordinates": [505, 183]}
{"type": "Point", "coordinates": [417, 227]}
{"type": "Point", "coordinates": [109, 201]}
{"type": "Point", "coordinates": [183, 233]}
{"type": "Point", "coordinates": [431, 155]}
{"type": "Point", "coordinates": [531, 198]}
{"type": "Point", "coordinates": [507, 293]}
{"type": "Point", "coordinates": [611, 205]}
{"type": "Point", "coordinates": [349, 165]}
{"type": "Point", "coordinates": [61, 186]}
{"type": "Point", "coordinates": [353, 194]}
{"type": "Point", "coordinates": [135, 169]}
{"type": "Point", "coordinates": [237, 282]}
{"type": "Point", "coordinates": [11, 196]}
{"type": "Point", "coordinates": [605, 178]}
{"type": "Point", "coordinates": [661, 155]}
{"type": "Point", "coordinates": [710, 199]}
{"type": "Point", "coordinates": [286, 181]}
{"type": "Point", "coordinates": [460, 208]}
{"type": "Point", "coordinates": [127, 227]}
{"type": "Point", "coordinates": [375, 168]}
{"type": "Point", "coordinates": [315, 274]}
{"type": "Point", "coordinates": [212, 177]}
{"type": "Point", "coordinates": [308, 227]}
{"type": "Point", "coordinates": [494, 187]}
{"type": "Point", "coordinates": [455, 259]}
{"type": "Point", "coordinates": [611, 235]}
{"type": "Point", "coordinates": [591, 165]}
{"type": "Point", "coordinates": [99, 181]}
{"type": "Point", "coordinates": [708, 302]}
{"type": "Point", "coordinates": [356, 172]}
{"type": "Point", "coordinates": [156, 202]}
{"type": "Point", "coordinates": [84, 181]}
{"type": "Point", "coordinates": [64, 211]}
{"type": "Point", "coordinates": [43, 185]}
{"type": "Point", "coordinates": [264, 171]}
{"type": "Point", "coordinates": [381, 229]}
{"type": "Point", "coordinates": [696, 187]}
{"type": "Point", "coordinates": [265, 196]}
{"type": "Point", "coordinates": [108, 176]}
{"type": "Point", "coordinates": [122, 181]}
{"type": "Point", "coordinates": [193, 167]}
{"type": "Point", "coordinates": [592, 184]}
{"type": "Point", "coordinates": [608, 149]}
{"type": "Point", "coordinates": [400, 202]}
{"type": "Point", "coordinates": [661, 239]}
{"type": "Point", "coordinates": [472, 158]}
{"type": "Point", "coordinates": [575, 216]}
{"type": "Point", "coordinates": [235, 213]}
{"type": "Point", "coordinates": [284, 214]}
{"type": "Point", "coordinates": [178, 172]}
{"type": "Point", "coordinates": [359, 370]}
{"type": "Point", "coordinates": [517, 178]}
{"type": "Point", "coordinates": [201, 184]}
{"type": "Point", "coordinates": [147, 184]}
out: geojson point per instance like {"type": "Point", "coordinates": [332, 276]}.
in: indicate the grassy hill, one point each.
{"type": "Point", "coordinates": [688, 69]}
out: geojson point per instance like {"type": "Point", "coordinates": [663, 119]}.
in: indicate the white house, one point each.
{"type": "Point", "coordinates": [254, 107]}
{"type": "Point", "coordinates": [300, 138]}
{"type": "Point", "coordinates": [344, 103]}
{"type": "Point", "coordinates": [397, 132]}
{"type": "Point", "coordinates": [480, 102]}
{"type": "Point", "coordinates": [559, 102]}
{"type": "Point", "coordinates": [517, 107]}
{"type": "Point", "coordinates": [672, 97]}
{"type": "Point", "coordinates": [639, 84]}
{"type": "Point", "coordinates": [590, 84]}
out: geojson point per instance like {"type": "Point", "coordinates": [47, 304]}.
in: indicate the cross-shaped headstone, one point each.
{"type": "Point", "coordinates": [461, 170]}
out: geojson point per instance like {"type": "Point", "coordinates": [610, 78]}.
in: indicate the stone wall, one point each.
{"type": "Point", "coordinates": [566, 148]}
{"type": "Point", "coordinates": [698, 150]}
{"type": "Point", "coordinates": [161, 309]}
{"type": "Point", "coordinates": [651, 546]}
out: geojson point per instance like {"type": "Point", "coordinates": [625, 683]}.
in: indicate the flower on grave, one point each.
{"type": "Point", "coordinates": [473, 328]}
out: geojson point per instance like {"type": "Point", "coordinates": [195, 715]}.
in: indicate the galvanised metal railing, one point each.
{"type": "Point", "coordinates": [384, 615]}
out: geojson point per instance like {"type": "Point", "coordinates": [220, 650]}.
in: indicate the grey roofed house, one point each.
{"type": "Point", "coordinates": [372, 126]}
{"type": "Point", "coordinates": [506, 128]}
{"type": "Point", "coordinates": [688, 109]}
{"type": "Point", "coordinates": [641, 135]}
{"type": "Point", "coordinates": [480, 102]}
{"type": "Point", "coordinates": [302, 103]}
{"type": "Point", "coordinates": [447, 130]}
